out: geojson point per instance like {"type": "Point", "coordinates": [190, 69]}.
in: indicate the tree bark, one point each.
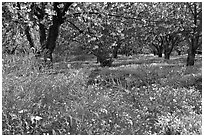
{"type": "Point", "coordinates": [160, 50]}
{"type": "Point", "coordinates": [103, 58]}
{"type": "Point", "coordinates": [193, 45]}
{"type": "Point", "coordinates": [167, 52]}
{"type": "Point", "coordinates": [193, 40]}
{"type": "Point", "coordinates": [167, 55]}
{"type": "Point", "coordinates": [172, 41]}
{"type": "Point", "coordinates": [104, 61]}
{"type": "Point", "coordinates": [51, 42]}
{"type": "Point", "coordinates": [154, 52]}
{"type": "Point", "coordinates": [160, 54]}
{"type": "Point", "coordinates": [48, 45]}
{"type": "Point", "coordinates": [42, 31]}
{"type": "Point", "coordinates": [28, 35]}
{"type": "Point", "coordinates": [115, 52]}
{"type": "Point", "coordinates": [190, 58]}
{"type": "Point", "coordinates": [116, 48]}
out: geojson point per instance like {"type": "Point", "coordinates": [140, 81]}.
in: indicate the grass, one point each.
{"type": "Point", "coordinates": [126, 99]}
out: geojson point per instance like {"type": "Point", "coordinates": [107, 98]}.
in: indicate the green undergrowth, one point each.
{"type": "Point", "coordinates": [129, 100]}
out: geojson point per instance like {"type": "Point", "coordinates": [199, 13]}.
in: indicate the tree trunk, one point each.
{"type": "Point", "coordinates": [51, 42]}
{"type": "Point", "coordinates": [190, 58]}
{"type": "Point", "coordinates": [116, 48]}
{"type": "Point", "coordinates": [28, 35]}
{"type": "Point", "coordinates": [48, 43]}
{"type": "Point", "coordinates": [115, 52]}
{"type": "Point", "coordinates": [193, 39]}
{"type": "Point", "coordinates": [167, 55]}
{"type": "Point", "coordinates": [167, 52]}
{"type": "Point", "coordinates": [42, 30]}
{"type": "Point", "coordinates": [159, 53]}
{"type": "Point", "coordinates": [154, 52]}
{"type": "Point", "coordinates": [193, 45]}
{"type": "Point", "coordinates": [105, 61]}
{"type": "Point", "coordinates": [103, 58]}
{"type": "Point", "coordinates": [159, 50]}
{"type": "Point", "coordinates": [159, 45]}
{"type": "Point", "coordinates": [170, 43]}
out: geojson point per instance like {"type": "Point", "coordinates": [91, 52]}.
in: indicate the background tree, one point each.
{"type": "Point", "coordinates": [192, 29]}
{"type": "Point", "coordinates": [106, 29]}
{"type": "Point", "coordinates": [48, 40]}
{"type": "Point", "coordinates": [163, 27]}
{"type": "Point", "coordinates": [16, 25]}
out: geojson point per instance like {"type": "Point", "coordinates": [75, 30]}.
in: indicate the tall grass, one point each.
{"type": "Point", "coordinates": [144, 100]}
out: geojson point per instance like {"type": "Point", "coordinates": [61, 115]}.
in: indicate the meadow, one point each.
{"type": "Point", "coordinates": [138, 95]}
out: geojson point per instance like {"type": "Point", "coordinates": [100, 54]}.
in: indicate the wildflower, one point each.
{"type": "Point", "coordinates": [35, 118]}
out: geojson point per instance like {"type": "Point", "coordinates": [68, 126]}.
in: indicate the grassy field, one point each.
{"type": "Point", "coordinates": [139, 95]}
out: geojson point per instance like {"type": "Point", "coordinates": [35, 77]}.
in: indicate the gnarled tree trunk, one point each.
{"type": "Point", "coordinates": [51, 41]}
{"type": "Point", "coordinates": [48, 42]}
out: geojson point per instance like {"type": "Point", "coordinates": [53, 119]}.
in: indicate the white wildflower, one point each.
{"type": "Point", "coordinates": [35, 118]}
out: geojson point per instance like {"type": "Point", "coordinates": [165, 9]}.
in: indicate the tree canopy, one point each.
{"type": "Point", "coordinates": [102, 28]}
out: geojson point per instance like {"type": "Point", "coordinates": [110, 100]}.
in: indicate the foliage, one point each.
{"type": "Point", "coordinates": [103, 29]}
{"type": "Point", "coordinates": [135, 95]}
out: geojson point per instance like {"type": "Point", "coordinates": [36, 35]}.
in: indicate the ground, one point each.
{"type": "Point", "coordinates": [138, 95]}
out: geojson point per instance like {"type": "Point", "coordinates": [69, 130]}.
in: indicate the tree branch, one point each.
{"type": "Point", "coordinates": [26, 27]}
{"type": "Point", "coordinates": [114, 15]}
{"type": "Point", "coordinates": [66, 6]}
{"type": "Point", "coordinates": [80, 31]}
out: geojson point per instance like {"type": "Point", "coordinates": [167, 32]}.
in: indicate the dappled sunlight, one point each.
{"type": "Point", "coordinates": [101, 68]}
